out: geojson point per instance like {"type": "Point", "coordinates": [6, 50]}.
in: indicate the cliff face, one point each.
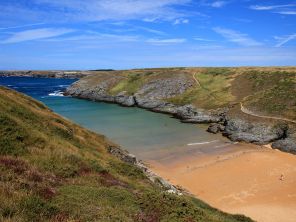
{"type": "Point", "coordinates": [149, 91]}
{"type": "Point", "coordinates": [207, 95]}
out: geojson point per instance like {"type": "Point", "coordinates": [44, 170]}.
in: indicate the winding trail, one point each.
{"type": "Point", "coordinates": [196, 80]}
{"type": "Point", "coordinates": [248, 112]}
{"type": "Point", "coordinates": [242, 108]}
{"type": "Point", "coordinates": [201, 86]}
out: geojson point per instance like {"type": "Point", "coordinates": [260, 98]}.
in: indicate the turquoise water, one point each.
{"type": "Point", "coordinates": [139, 131]}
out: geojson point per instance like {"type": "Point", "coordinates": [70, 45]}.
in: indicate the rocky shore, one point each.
{"type": "Point", "coordinates": [131, 159]}
{"type": "Point", "coordinates": [47, 74]}
{"type": "Point", "coordinates": [154, 96]}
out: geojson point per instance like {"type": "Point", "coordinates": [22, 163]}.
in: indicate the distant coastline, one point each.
{"type": "Point", "coordinates": [47, 74]}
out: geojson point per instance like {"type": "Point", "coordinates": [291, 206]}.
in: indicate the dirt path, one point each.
{"type": "Point", "coordinates": [248, 112]}
{"type": "Point", "coordinates": [196, 80]}
{"type": "Point", "coordinates": [242, 108]}
{"type": "Point", "coordinates": [204, 88]}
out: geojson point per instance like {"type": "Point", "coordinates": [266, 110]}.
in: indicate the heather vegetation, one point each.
{"type": "Point", "coordinates": [54, 170]}
{"type": "Point", "coordinates": [274, 93]}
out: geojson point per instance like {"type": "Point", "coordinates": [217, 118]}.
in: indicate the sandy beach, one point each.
{"type": "Point", "coordinates": [244, 179]}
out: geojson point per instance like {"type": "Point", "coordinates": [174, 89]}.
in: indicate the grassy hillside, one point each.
{"type": "Point", "coordinates": [54, 170]}
{"type": "Point", "coordinates": [264, 90]}
{"type": "Point", "coordinates": [273, 93]}
{"type": "Point", "coordinates": [212, 89]}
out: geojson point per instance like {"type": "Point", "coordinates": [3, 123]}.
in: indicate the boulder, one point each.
{"type": "Point", "coordinates": [239, 130]}
{"type": "Point", "coordinates": [148, 103]}
{"type": "Point", "coordinates": [122, 154]}
{"type": "Point", "coordinates": [189, 114]}
{"type": "Point", "coordinates": [124, 100]}
{"type": "Point", "coordinates": [288, 143]}
{"type": "Point", "coordinates": [215, 128]}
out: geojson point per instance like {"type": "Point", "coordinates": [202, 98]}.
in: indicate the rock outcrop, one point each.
{"type": "Point", "coordinates": [131, 159]}
{"type": "Point", "coordinates": [151, 96]}
{"type": "Point", "coordinates": [95, 92]}
{"type": "Point", "coordinates": [190, 114]}
{"type": "Point", "coordinates": [216, 128]}
{"type": "Point", "coordinates": [239, 130]}
{"type": "Point", "coordinates": [155, 94]}
{"type": "Point", "coordinates": [125, 100]}
{"type": "Point", "coordinates": [288, 143]}
{"type": "Point", "coordinates": [164, 88]}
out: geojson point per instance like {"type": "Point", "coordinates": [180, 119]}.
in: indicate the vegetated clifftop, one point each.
{"type": "Point", "coordinates": [54, 170]}
{"type": "Point", "coordinates": [48, 74]}
{"type": "Point", "coordinates": [255, 105]}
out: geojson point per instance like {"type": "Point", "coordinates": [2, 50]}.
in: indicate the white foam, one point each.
{"type": "Point", "coordinates": [202, 143]}
{"type": "Point", "coordinates": [56, 93]}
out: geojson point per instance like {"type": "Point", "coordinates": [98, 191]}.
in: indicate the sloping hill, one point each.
{"type": "Point", "coordinates": [54, 170]}
{"type": "Point", "coordinates": [265, 90]}
{"type": "Point", "coordinates": [251, 104]}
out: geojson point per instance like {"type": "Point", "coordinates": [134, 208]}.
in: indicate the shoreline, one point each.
{"type": "Point", "coordinates": [127, 157]}
{"type": "Point", "coordinates": [236, 129]}
{"type": "Point", "coordinates": [165, 91]}
{"type": "Point", "coordinates": [247, 181]}
{"type": "Point", "coordinates": [217, 122]}
{"type": "Point", "coordinates": [171, 185]}
{"type": "Point", "coordinates": [241, 179]}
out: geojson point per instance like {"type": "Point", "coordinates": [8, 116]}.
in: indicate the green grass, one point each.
{"type": "Point", "coordinates": [54, 170]}
{"type": "Point", "coordinates": [37, 208]}
{"type": "Point", "coordinates": [220, 87]}
{"type": "Point", "coordinates": [131, 84]}
{"type": "Point", "coordinates": [213, 92]}
{"type": "Point", "coordinates": [219, 71]}
{"type": "Point", "coordinates": [274, 93]}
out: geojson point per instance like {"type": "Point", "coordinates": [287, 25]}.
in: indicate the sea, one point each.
{"type": "Point", "coordinates": [146, 134]}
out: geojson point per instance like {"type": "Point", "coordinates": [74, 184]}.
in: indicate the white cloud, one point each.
{"type": "Point", "coordinates": [91, 36]}
{"type": "Point", "coordinates": [218, 4]}
{"type": "Point", "coordinates": [237, 37]}
{"type": "Point", "coordinates": [35, 34]}
{"type": "Point", "coordinates": [154, 31]}
{"type": "Point", "coordinates": [98, 10]}
{"type": "Point", "coordinates": [270, 7]}
{"type": "Point", "coordinates": [284, 39]}
{"type": "Point", "coordinates": [120, 38]}
{"type": "Point", "coordinates": [165, 41]}
{"type": "Point", "coordinates": [181, 21]}
{"type": "Point", "coordinates": [287, 12]}
{"type": "Point", "coordinates": [22, 26]}
{"type": "Point", "coordinates": [203, 39]}
{"type": "Point", "coordinates": [288, 9]}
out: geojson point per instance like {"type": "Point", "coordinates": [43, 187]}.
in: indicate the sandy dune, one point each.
{"type": "Point", "coordinates": [256, 181]}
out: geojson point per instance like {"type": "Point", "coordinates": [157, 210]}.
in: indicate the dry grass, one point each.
{"type": "Point", "coordinates": [54, 170]}
{"type": "Point", "coordinates": [270, 90]}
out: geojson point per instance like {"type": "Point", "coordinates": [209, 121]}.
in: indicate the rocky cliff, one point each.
{"type": "Point", "coordinates": [165, 91]}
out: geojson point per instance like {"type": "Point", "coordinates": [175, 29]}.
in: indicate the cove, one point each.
{"type": "Point", "coordinates": [146, 134]}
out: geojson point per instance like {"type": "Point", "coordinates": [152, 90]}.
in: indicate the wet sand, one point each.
{"type": "Point", "coordinates": [237, 178]}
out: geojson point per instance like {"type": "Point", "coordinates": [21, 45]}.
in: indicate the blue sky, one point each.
{"type": "Point", "coordinates": [122, 34]}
